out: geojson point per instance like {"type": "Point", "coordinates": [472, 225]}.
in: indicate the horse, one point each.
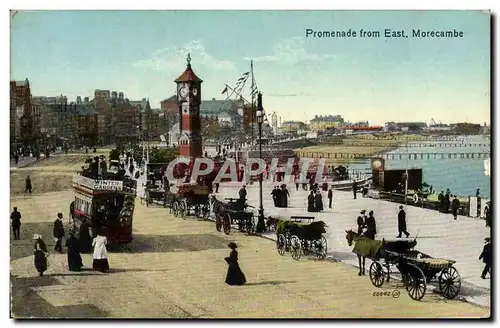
{"type": "Point", "coordinates": [353, 236]}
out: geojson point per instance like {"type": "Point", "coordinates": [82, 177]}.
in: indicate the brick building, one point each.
{"type": "Point", "coordinates": [24, 118]}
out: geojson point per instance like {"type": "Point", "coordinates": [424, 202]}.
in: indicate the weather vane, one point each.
{"type": "Point", "coordinates": [189, 59]}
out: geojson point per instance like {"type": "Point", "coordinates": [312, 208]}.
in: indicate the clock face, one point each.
{"type": "Point", "coordinates": [183, 90]}
{"type": "Point", "coordinates": [195, 91]}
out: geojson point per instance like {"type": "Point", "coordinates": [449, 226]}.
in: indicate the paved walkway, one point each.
{"type": "Point", "coordinates": [438, 234]}
{"type": "Point", "coordinates": [175, 269]}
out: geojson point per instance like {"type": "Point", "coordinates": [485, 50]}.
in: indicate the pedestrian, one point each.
{"type": "Point", "coordinates": [284, 194]}
{"type": "Point", "coordinates": [330, 197]}
{"type": "Point", "coordinates": [74, 258]}
{"type": "Point", "coordinates": [297, 183]}
{"type": "Point", "coordinates": [354, 188]}
{"type": "Point", "coordinates": [16, 158]}
{"type": "Point", "coordinates": [477, 192]}
{"type": "Point", "coordinates": [84, 238]}
{"type": "Point", "coordinates": [402, 222]}
{"type": "Point", "coordinates": [455, 205]}
{"type": "Point", "coordinates": [310, 202]}
{"type": "Point", "coordinates": [16, 223]}
{"type": "Point", "coordinates": [28, 186]}
{"type": "Point", "coordinates": [447, 201]}
{"type": "Point", "coordinates": [234, 276]}
{"type": "Point", "coordinates": [441, 201]}
{"type": "Point", "coordinates": [242, 196]}
{"type": "Point", "coordinates": [487, 214]}
{"type": "Point", "coordinates": [318, 201]}
{"type": "Point", "coordinates": [216, 187]}
{"type": "Point", "coordinates": [100, 256]}
{"type": "Point", "coordinates": [361, 222]}
{"type": "Point", "coordinates": [40, 254]}
{"type": "Point", "coordinates": [274, 195]}
{"type": "Point", "coordinates": [486, 257]}
{"type": "Point", "coordinates": [371, 226]}
{"type": "Point", "coordinates": [58, 232]}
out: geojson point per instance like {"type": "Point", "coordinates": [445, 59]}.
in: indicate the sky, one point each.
{"type": "Point", "coordinates": [377, 79]}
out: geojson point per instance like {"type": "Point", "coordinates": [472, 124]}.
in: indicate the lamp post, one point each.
{"type": "Point", "coordinates": [261, 225]}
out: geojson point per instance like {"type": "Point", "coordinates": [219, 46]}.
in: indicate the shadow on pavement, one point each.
{"type": "Point", "coordinates": [262, 283]}
{"type": "Point", "coordinates": [174, 243]}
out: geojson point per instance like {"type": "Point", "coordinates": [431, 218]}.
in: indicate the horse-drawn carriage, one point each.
{"type": "Point", "coordinates": [299, 238]}
{"type": "Point", "coordinates": [190, 199]}
{"type": "Point", "coordinates": [234, 212]}
{"type": "Point", "coordinates": [416, 268]}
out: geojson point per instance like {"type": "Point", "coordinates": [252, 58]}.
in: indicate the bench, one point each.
{"type": "Point", "coordinates": [297, 218]}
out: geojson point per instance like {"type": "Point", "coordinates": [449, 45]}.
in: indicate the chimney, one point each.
{"type": "Point", "coordinates": [113, 95]}
{"type": "Point", "coordinates": [143, 99]}
{"type": "Point", "coordinates": [86, 99]}
{"type": "Point", "coordinates": [78, 100]}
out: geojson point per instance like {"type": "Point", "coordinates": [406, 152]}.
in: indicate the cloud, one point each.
{"type": "Point", "coordinates": [172, 58]}
{"type": "Point", "coordinates": [291, 51]}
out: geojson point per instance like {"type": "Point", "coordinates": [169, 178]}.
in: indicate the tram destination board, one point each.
{"type": "Point", "coordinates": [111, 185]}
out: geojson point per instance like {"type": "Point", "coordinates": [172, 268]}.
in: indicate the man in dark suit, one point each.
{"type": "Point", "coordinates": [58, 233]}
{"type": "Point", "coordinates": [486, 257]}
{"type": "Point", "coordinates": [330, 197]}
{"type": "Point", "coordinates": [354, 188]}
{"type": "Point", "coordinates": [16, 224]}
{"type": "Point", "coordinates": [402, 223]}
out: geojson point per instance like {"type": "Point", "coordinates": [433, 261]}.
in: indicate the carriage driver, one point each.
{"type": "Point", "coordinates": [242, 196]}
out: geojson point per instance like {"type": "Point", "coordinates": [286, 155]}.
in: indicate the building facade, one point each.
{"type": "Point", "coordinates": [24, 118]}
{"type": "Point", "coordinates": [322, 123]}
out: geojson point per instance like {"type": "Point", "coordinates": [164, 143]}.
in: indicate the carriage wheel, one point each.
{"type": "Point", "coordinates": [226, 223]}
{"type": "Point", "coordinates": [377, 276]}
{"type": "Point", "coordinates": [415, 283]}
{"type": "Point", "coordinates": [281, 244]}
{"type": "Point", "coordinates": [175, 208]}
{"type": "Point", "coordinates": [218, 222]}
{"type": "Point", "coordinates": [450, 282]}
{"type": "Point", "coordinates": [295, 248]}
{"type": "Point", "coordinates": [321, 246]}
{"type": "Point", "coordinates": [205, 210]}
{"type": "Point", "coordinates": [250, 226]}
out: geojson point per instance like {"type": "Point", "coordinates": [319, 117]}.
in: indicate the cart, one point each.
{"type": "Point", "coordinates": [235, 212]}
{"type": "Point", "coordinates": [299, 238]}
{"type": "Point", "coordinates": [417, 270]}
{"type": "Point", "coordinates": [191, 199]}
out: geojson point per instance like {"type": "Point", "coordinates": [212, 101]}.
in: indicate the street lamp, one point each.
{"type": "Point", "coordinates": [261, 225]}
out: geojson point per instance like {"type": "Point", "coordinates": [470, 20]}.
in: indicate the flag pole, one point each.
{"type": "Point", "coordinates": [253, 100]}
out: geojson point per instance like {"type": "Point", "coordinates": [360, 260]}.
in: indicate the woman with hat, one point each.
{"type": "Point", "coordinates": [486, 257]}
{"type": "Point", "coordinates": [234, 274]}
{"type": "Point", "coordinates": [41, 254]}
{"type": "Point", "coordinates": [74, 258]}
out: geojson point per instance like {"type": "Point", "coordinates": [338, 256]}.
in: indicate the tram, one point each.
{"type": "Point", "coordinates": [105, 205]}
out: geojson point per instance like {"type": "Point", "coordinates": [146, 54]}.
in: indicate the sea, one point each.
{"type": "Point", "coordinates": [461, 175]}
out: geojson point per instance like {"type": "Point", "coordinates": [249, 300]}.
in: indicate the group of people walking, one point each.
{"type": "Point", "coordinates": [280, 196]}
{"type": "Point", "coordinates": [367, 225]}
{"type": "Point", "coordinates": [76, 244]}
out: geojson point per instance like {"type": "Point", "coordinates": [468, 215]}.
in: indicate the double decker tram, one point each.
{"type": "Point", "coordinates": [105, 205]}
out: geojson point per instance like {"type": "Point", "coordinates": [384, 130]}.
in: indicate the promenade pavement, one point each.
{"type": "Point", "coordinates": [438, 234]}
{"type": "Point", "coordinates": [175, 269]}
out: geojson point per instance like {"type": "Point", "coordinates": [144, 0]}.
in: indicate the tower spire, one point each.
{"type": "Point", "coordinates": [188, 59]}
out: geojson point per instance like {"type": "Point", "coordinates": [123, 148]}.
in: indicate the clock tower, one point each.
{"type": "Point", "coordinates": [189, 100]}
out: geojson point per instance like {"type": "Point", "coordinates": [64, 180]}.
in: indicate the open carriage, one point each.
{"type": "Point", "coordinates": [189, 199]}
{"type": "Point", "coordinates": [416, 268]}
{"type": "Point", "coordinates": [299, 238]}
{"type": "Point", "coordinates": [234, 212]}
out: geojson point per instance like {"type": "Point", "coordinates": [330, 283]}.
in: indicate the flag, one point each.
{"type": "Point", "coordinates": [246, 73]}
{"type": "Point", "coordinates": [225, 90]}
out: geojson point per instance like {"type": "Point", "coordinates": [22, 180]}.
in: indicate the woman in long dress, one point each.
{"type": "Point", "coordinates": [85, 239]}
{"type": "Point", "coordinates": [75, 262]}
{"type": "Point", "coordinates": [100, 257]}
{"type": "Point", "coordinates": [41, 254]}
{"type": "Point", "coordinates": [234, 274]}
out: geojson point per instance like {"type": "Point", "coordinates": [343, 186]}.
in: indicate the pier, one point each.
{"type": "Point", "coordinates": [396, 156]}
